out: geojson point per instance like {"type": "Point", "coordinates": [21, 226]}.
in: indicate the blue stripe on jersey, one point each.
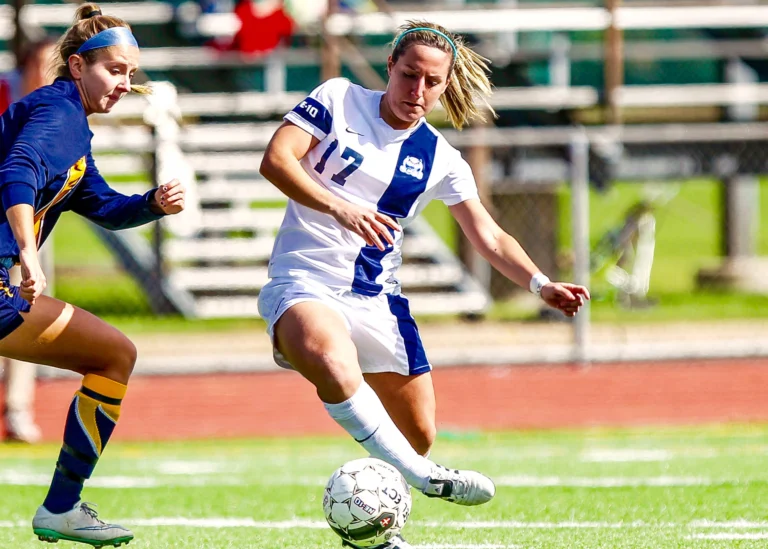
{"type": "Point", "coordinates": [315, 113]}
{"type": "Point", "coordinates": [414, 165]}
{"type": "Point", "coordinates": [414, 349]}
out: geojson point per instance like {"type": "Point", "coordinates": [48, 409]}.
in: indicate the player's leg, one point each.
{"type": "Point", "coordinates": [60, 335]}
{"type": "Point", "coordinates": [314, 339]}
{"type": "Point", "coordinates": [395, 364]}
{"type": "Point", "coordinates": [410, 402]}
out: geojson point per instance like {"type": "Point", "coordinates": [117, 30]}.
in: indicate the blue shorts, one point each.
{"type": "Point", "coordinates": [11, 305]}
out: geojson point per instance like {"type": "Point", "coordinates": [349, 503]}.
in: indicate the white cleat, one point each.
{"type": "Point", "coordinates": [460, 487]}
{"type": "Point", "coordinates": [396, 542]}
{"type": "Point", "coordinates": [20, 427]}
{"type": "Point", "coordinates": [81, 524]}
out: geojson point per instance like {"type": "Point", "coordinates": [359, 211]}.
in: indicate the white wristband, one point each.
{"type": "Point", "coordinates": [538, 281]}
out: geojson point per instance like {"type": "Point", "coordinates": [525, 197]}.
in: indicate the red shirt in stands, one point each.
{"type": "Point", "coordinates": [260, 34]}
{"type": "Point", "coordinates": [6, 94]}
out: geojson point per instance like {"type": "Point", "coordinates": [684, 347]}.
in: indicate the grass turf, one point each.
{"type": "Point", "coordinates": [640, 488]}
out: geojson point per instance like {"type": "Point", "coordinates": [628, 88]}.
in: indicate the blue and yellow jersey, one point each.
{"type": "Point", "coordinates": [46, 161]}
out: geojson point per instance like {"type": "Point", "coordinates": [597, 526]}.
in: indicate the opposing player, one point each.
{"type": "Point", "coordinates": [358, 165]}
{"type": "Point", "coordinates": [46, 168]}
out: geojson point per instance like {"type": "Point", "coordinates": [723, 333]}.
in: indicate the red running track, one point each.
{"type": "Point", "coordinates": [478, 397]}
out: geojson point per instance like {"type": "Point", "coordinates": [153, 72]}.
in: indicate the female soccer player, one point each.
{"type": "Point", "coordinates": [46, 168]}
{"type": "Point", "coordinates": [358, 165]}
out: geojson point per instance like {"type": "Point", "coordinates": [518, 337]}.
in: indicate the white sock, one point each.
{"type": "Point", "coordinates": [364, 417]}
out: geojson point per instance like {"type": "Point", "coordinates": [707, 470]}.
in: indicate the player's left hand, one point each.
{"type": "Point", "coordinates": [565, 297]}
{"type": "Point", "coordinates": [169, 198]}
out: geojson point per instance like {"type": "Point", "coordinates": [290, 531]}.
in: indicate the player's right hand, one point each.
{"type": "Point", "coordinates": [32, 278]}
{"type": "Point", "coordinates": [373, 226]}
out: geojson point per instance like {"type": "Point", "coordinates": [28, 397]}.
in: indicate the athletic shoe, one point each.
{"type": "Point", "coordinates": [81, 524]}
{"type": "Point", "coordinates": [460, 487]}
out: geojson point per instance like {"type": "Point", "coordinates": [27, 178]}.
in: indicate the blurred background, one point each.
{"type": "Point", "coordinates": [629, 154]}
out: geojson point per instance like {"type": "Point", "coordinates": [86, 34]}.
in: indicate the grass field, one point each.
{"type": "Point", "coordinates": [648, 488]}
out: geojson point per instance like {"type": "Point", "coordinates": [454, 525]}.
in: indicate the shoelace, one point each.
{"type": "Point", "coordinates": [88, 509]}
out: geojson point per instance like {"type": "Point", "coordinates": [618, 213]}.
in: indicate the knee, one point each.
{"type": "Point", "coordinates": [423, 438]}
{"type": "Point", "coordinates": [127, 360]}
{"type": "Point", "coordinates": [340, 380]}
{"type": "Point", "coordinates": [119, 362]}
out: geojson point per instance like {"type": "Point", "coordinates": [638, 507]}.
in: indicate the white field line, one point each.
{"type": "Point", "coordinates": [223, 522]}
{"type": "Point", "coordinates": [625, 455]}
{"type": "Point", "coordinates": [25, 478]}
{"type": "Point", "coordinates": [600, 454]}
{"type": "Point", "coordinates": [729, 536]}
{"type": "Point", "coordinates": [465, 546]}
{"type": "Point", "coordinates": [297, 523]}
{"type": "Point", "coordinates": [530, 481]}
{"type": "Point", "coordinates": [729, 524]}
{"type": "Point", "coordinates": [566, 525]}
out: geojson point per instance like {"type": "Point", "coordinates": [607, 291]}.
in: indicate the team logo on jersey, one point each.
{"type": "Point", "coordinates": [412, 166]}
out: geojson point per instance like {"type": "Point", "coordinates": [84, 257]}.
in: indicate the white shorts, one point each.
{"type": "Point", "coordinates": [381, 327]}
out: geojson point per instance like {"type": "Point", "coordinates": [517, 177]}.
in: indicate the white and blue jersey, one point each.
{"type": "Point", "coordinates": [360, 158]}
{"type": "Point", "coordinates": [363, 160]}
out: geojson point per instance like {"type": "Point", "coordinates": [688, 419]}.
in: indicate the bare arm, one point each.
{"type": "Point", "coordinates": [21, 218]}
{"type": "Point", "coordinates": [508, 257]}
{"type": "Point", "coordinates": [281, 166]}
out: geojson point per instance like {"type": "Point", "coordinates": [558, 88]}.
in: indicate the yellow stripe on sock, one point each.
{"type": "Point", "coordinates": [111, 410]}
{"type": "Point", "coordinates": [103, 386]}
{"type": "Point", "coordinates": [86, 408]}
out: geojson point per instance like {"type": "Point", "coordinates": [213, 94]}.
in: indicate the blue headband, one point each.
{"type": "Point", "coordinates": [115, 36]}
{"type": "Point", "coordinates": [428, 29]}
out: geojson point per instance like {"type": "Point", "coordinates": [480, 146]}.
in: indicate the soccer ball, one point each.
{"type": "Point", "coordinates": [367, 502]}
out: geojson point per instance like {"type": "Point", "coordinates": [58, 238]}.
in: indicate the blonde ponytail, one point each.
{"type": "Point", "coordinates": [468, 76]}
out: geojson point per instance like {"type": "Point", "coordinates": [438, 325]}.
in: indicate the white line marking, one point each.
{"type": "Point", "coordinates": [17, 478]}
{"type": "Point", "coordinates": [519, 525]}
{"type": "Point", "coordinates": [226, 523]}
{"type": "Point", "coordinates": [625, 455]}
{"type": "Point", "coordinates": [728, 524]}
{"type": "Point", "coordinates": [245, 522]}
{"type": "Point", "coordinates": [729, 536]}
{"type": "Point", "coordinates": [525, 481]}
{"type": "Point", "coordinates": [465, 546]}
{"type": "Point", "coordinates": [183, 467]}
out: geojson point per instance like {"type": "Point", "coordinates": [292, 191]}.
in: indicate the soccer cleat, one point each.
{"type": "Point", "coordinates": [461, 487]}
{"type": "Point", "coordinates": [20, 427]}
{"type": "Point", "coordinates": [81, 524]}
{"type": "Point", "coordinates": [396, 542]}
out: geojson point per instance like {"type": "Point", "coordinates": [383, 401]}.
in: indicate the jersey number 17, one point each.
{"type": "Point", "coordinates": [341, 177]}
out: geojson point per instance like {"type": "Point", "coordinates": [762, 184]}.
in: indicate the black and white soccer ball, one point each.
{"type": "Point", "coordinates": [367, 502]}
